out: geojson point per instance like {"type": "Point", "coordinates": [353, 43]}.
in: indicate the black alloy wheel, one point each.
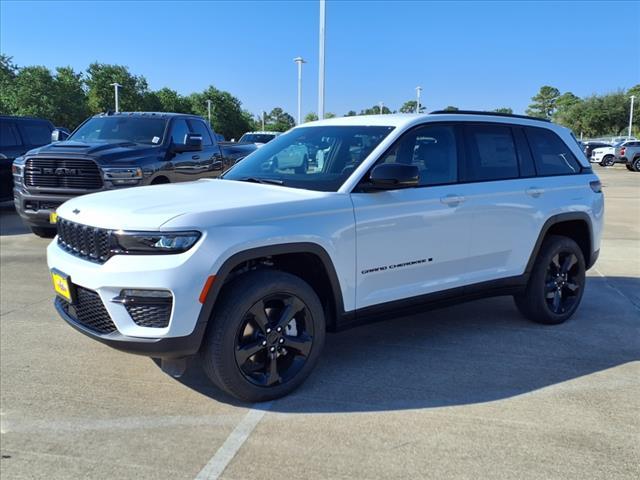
{"type": "Point", "coordinates": [274, 340]}
{"type": "Point", "coordinates": [562, 284]}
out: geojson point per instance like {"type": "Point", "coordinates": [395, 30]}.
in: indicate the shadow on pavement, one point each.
{"type": "Point", "coordinates": [10, 222]}
{"type": "Point", "coordinates": [475, 352]}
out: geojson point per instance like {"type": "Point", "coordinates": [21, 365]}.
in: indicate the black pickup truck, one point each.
{"type": "Point", "coordinates": [117, 150]}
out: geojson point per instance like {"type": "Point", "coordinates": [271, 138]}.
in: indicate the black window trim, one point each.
{"type": "Point", "coordinates": [582, 170]}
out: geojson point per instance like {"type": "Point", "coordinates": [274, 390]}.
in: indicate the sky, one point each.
{"type": "Point", "coordinates": [473, 55]}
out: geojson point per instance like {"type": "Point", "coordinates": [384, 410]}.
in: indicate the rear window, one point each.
{"type": "Point", "coordinates": [550, 154]}
{"type": "Point", "coordinates": [36, 133]}
{"type": "Point", "coordinates": [199, 127]}
{"type": "Point", "coordinates": [490, 153]}
{"type": "Point", "coordinates": [8, 135]}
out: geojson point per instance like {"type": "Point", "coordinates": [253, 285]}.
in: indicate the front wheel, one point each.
{"type": "Point", "coordinates": [266, 336]}
{"type": "Point", "coordinates": [607, 161]}
{"type": "Point", "coordinates": [636, 164]}
{"type": "Point", "coordinates": [556, 284]}
{"type": "Point", "coordinates": [629, 167]}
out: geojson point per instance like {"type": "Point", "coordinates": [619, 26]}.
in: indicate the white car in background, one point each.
{"type": "Point", "coordinates": [259, 138]}
{"type": "Point", "coordinates": [606, 156]}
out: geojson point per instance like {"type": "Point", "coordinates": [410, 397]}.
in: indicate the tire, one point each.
{"type": "Point", "coordinates": [243, 332]}
{"type": "Point", "coordinates": [629, 167]}
{"type": "Point", "coordinates": [608, 161]}
{"type": "Point", "coordinates": [160, 181]}
{"type": "Point", "coordinates": [44, 232]}
{"type": "Point", "coordinates": [546, 283]}
{"type": "Point", "coordinates": [636, 164]}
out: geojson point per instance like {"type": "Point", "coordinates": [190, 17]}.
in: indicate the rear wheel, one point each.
{"type": "Point", "coordinates": [629, 167]}
{"type": "Point", "coordinates": [44, 232]}
{"type": "Point", "coordinates": [607, 161]}
{"type": "Point", "coordinates": [556, 283]}
{"type": "Point", "coordinates": [636, 164]}
{"type": "Point", "coordinates": [266, 336]}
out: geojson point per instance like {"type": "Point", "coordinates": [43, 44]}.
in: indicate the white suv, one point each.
{"type": "Point", "coordinates": [405, 211]}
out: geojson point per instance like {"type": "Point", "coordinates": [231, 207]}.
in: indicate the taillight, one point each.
{"type": "Point", "coordinates": [596, 186]}
{"type": "Point", "coordinates": [622, 150]}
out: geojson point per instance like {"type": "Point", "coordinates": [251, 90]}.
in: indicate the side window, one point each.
{"type": "Point", "coordinates": [490, 153]}
{"type": "Point", "coordinates": [551, 155]}
{"type": "Point", "coordinates": [432, 148]}
{"type": "Point", "coordinates": [8, 135]}
{"type": "Point", "coordinates": [179, 131]}
{"type": "Point", "coordinates": [35, 133]}
{"type": "Point", "coordinates": [198, 126]}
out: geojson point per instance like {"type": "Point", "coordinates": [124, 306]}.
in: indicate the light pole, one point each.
{"type": "Point", "coordinates": [631, 114]}
{"type": "Point", "coordinates": [381, 105]}
{"type": "Point", "coordinates": [418, 91]}
{"type": "Point", "coordinates": [209, 110]}
{"type": "Point", "coordinates": [299, 61]}
{"type": "Point", "coordinates": [263, 112]}
{"type": "Point", "coordinates": [321, 62]}
{"type": "Point", "coordinates": [117, 86]}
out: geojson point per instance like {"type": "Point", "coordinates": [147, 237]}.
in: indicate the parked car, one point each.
{"type": "Point", "coordinates": [590, 146]}
{"type": "Point", "coordinates": [250, 271]}
{"type": "Point", "coordinates": [629, 154]}
{"type": "Point", "coordinates": [605, 156]}
{"type": "Point", "coordinates": [113, 151]}
{"type": "Point", "coordinates": [259, 138]}
{"type": "Point", "coordinates": [18, 135]}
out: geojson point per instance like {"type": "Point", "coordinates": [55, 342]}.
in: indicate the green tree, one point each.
{"type": "Point", "coordinates": [451, 108]}
{"type": "Point", "coordinates": [329, 115]}
{"type": "Point", "coordinates": [504, 110]}
{"type": "Point", "coordinates": [310, 117]}
{"type": "Point", "coordinates": [350, 113]}
{"type": "Point", "coordinates": [100, 93]}
{"type": "Point", "coordinates": [171, 101]}
{"type": "Point", "coordinates": [279, 121]}
{"type": "Point", "coordinates": [227, 116]}
{"type": "Point", "coordinates": [33, 93]}
{"type": "Point", "coordinates": [70, 98]}
{"type": "Point", "coordinates": [375, 110]}
{"type": "Point", "coordinates": [410, 107]}
{"type": "Point", "coordinates": [543, 104]}
{"type": "Point", "coordinates": [8, 72]}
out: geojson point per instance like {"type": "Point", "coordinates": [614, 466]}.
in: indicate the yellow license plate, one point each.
{"type": "Point", "coordinates": [62, 285]}
{"type": "Point", "coordinates": [53, 217]}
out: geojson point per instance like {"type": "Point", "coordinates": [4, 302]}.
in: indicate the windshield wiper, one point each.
{"type": "Point", "coordinates": [264, 181]}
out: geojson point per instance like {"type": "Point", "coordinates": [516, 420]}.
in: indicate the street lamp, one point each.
{"type": "Point", "coordinates": [321, 62]}
{"type": "Point", "coordinates": [631, 114]}
{"type": "Point", "coordinates": [299, 61]}
{"type": "Point", "coordinates": [209, 110]}
{"type": "Point", "coordinates": [117, 86]}
{"type": "Point", "coordinates": [418, 91]}
{"type": "Point", "coordinates": [262, 116]}
{"type": "Point", "coordinates": [381, 105]}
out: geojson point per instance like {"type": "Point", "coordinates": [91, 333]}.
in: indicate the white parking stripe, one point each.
{"type": "Point", "coordinates": [214, 468]}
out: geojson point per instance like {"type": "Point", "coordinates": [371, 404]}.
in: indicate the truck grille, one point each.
{"type": "Point", "coordinates": [62, 173]}
{"type": "Point", "coordinates": [83, 241]}
{"type": "Point", "coordinates": [89, 311]}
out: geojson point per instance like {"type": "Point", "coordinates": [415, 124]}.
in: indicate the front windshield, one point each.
{"type": "Point", "coordinates": [121, 129]}
{"type": "Point", "coordinates": [315, 158]}
{"type": "Point", "coordinates": [256, 138]}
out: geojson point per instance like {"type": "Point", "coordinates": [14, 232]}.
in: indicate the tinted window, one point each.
{"type": "Point", "coordinates": [432, 148]}
{"type": "Point", "coordinates": [121, 129]}
{"type": "Point", "coordinates": [179, 131]}
{"type": "Point", "coordinates": [490, 153]}
{"type": "Point", "coordinates": [316, 158]}
{"type": "Point", "coordinates": [8, 135]}
{"type": "Point", "coordinates": [35, 133]}
{"type": "Point", "coordinates": [256, 138]}
{"type": "Point", "coordinates": [198, 126]}
{"type": "Point", "coordinates": [551, 155]}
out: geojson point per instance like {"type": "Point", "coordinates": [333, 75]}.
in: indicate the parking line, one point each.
{"type": "Point", "coordinates": [214, 468]}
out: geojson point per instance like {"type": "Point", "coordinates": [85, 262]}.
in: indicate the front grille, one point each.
{"type": "Point", "coordinates": [62, 173]}
{"type": "Point", "coordinates": [83, 241]}
{"type": "Point", "coordinates": [154, 316]}
{"type": "Point", "coordinates": [89, 311]}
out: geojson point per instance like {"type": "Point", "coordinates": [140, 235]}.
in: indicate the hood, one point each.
{"type": "Point", "coordinates": [603, 150]}
{"type": "Point", "coordinates": [99, 151]}
{"type": "Point", "coordinates": [148, 208]}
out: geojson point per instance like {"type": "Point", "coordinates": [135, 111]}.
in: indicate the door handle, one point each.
{"type": "Point", "coordinates": [534, 192]}
{"type": "Point", "coordinates": [196, 157]}
{"type": "Point", "coordinates": [452, 200]}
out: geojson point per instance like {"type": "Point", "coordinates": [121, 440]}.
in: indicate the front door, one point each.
{"type": "Point", "coordinates": [414, 241]}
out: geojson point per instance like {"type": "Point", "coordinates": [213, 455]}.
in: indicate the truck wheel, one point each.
{"type": "Point", "coordinates": [607, 161]}
{"type": "Point", "coordinates": [44, 232]}
{"type": "Point", "coordinates": [556, 283]}
{"type": "Point", "coordinates": [265, 336]}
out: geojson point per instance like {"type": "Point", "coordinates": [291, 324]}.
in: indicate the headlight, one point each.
{"type": "Point", "coordinates": [144, 243]}
{"type": "Point", "coordinates": [123, 176]}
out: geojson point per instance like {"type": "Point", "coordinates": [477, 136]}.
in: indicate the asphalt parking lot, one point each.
{"type": "Point", "coordinates": [472, 391]}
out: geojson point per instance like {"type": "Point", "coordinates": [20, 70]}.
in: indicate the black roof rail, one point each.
{"type": "Point", "coordinates": [493, 114]}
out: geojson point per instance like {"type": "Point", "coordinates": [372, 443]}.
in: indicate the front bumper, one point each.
{"type": "Point", "coordinates": [35, 208]}
{"type": "Point", "coordinates": [182, 274]}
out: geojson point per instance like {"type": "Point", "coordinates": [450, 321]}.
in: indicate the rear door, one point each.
{"type": "Point", "coordinates": [186, 165]}
{"type": "Point", "coordinates": [415, 241]}
{"type": "Point", "coordinates": [210, 161]}
{"type": "Point", "coordinates": [35, 133]}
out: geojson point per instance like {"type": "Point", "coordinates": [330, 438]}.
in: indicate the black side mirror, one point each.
{"type": "Point", "coordinates": [59, 134]}
{"type": "Point", "coordinates": [192, 143]}
{"type": "Point", "coordinates": [392, 176]}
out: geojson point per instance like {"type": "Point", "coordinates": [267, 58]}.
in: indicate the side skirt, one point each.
{"type": "Point", "coordinates": [431, 301]}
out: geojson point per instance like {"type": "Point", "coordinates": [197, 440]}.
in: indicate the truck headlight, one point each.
{"type": "Point", "coordinates": [144, 243]}
{"type": "Point", "coordinates": [123, 176]}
